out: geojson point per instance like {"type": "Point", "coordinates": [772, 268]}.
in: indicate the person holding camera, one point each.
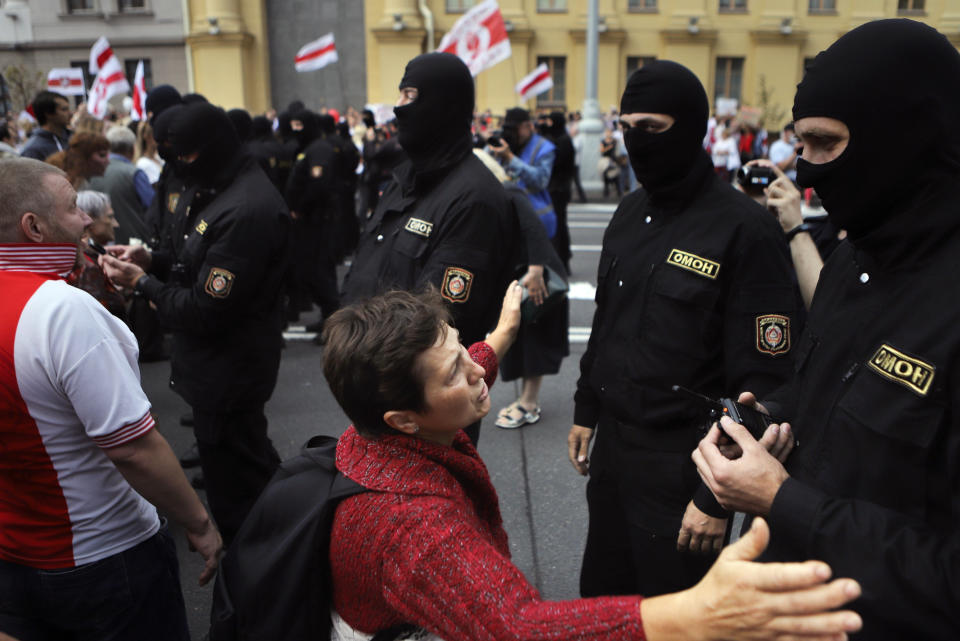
{"type": "Point", "coordinates": [785, 151]}
{"type": "Point", "coordinates": [695, 289]}
{"type": "Point", "coordinates": [762, 180]}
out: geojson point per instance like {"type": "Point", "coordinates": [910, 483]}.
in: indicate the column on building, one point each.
{"type": "Point", "coordinates": [396, 35]}
{"type": "Point", "coordinates": [775, 60]}
{"type": "Point", "coordinates": [229, 52]}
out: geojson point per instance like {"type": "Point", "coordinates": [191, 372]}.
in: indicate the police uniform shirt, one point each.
{"type": "Point", "coordinates": [451, 228]}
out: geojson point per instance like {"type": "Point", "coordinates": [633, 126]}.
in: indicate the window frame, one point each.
{"type": "Point", "coordinates": [565, 9]}
{"type": "Point", "coordinates": [912, 10]}
{"type": "Point", "coordinates": [643, 9]}
{"type": "Point", "coordinates": [821, 10]}
{"type": "Point", "coordinates": [548, 100]}
{"type": "Point", "coordinates": [732, 8]}
{"type": "Point", "coordinates": [728, 74]}
{"type": "Point", "coordinates": [461, 9]}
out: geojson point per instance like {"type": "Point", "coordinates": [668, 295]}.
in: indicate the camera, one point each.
{"type": "Point", "coordinates": [495, 139]}
{"type": "Point", "coordinates": [755, 178]}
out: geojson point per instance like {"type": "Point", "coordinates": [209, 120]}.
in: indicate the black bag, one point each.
{"type": "Point", "coordinates": [274, 581]}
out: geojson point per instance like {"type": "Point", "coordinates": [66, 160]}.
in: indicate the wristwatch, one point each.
{"type": "Point", "coordinates": [802, 227]}
{"type": "Point", "coordinates": [138, 286]}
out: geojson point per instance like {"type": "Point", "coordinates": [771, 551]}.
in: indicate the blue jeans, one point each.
{"type": "Point", "coordinates": [130, 596]}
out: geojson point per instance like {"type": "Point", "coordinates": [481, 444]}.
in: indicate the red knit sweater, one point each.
{"type": "Point", "coordinates": [427, 547]}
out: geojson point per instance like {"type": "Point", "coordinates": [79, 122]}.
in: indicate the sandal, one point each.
{"type": "Point", "coordinates": [516, 415]}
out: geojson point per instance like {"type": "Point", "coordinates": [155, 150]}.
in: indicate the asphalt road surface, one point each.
{"type": "Point", "coordinates": [541, 496]}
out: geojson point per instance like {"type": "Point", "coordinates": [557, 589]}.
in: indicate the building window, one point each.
{"type": "Point", "coordinates": [728, 79]}
{"type": "Point", "coordinates": [822, 6]}
{"type": "Point", "coordinates": [557, 95]}
{"type": "Point", "coordinates": [132, 6]}
{"type": "Point", "coordinates": [910, 6]}
{"type": "Point", "coordinates": [642, 5]}
{"type": "Point", "coordinates": [130, 68]}
{"type": "Point", "coordinates": [635, 62]}
{"type": "Point", "coordinates": [459, 6]}
{"type": "Point", "coordinates": [80, 6]}
{"type": "Point", "coordinates": [551, 6]}
{"type": "Point", "coordinates": [733, 6]}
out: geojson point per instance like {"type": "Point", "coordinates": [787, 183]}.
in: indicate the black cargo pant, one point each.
{"type": "Point", "coordinates": [636, 496]}
{"type": "Point", "coordinates": [237, 458]}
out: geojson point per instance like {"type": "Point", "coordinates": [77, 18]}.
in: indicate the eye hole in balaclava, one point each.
{"type": "Point", "coordinates": [435, 127]}
{"type": "Point", "coordinates": [895, 84]}
{"type": "Point", "coordinates": [664, 162]}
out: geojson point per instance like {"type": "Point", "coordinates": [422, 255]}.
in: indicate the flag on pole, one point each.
{"type": "Point", "coordinates": [110, 79]}
{"type": "Point", "coordinates": [316, 55]}
{"type": "Point", "coordinates": [66, 81]}
{"type": "Point", "coordinates": [534, 84]}
{"type": "Point", "coordinates": [100, 53]}
{"type": "Point", "coordinates": [139, 109]}
{"type": "Point", "coordinates": [479, 38]}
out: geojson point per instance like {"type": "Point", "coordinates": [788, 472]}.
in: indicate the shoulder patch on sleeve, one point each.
{"type": "Point", "coordinates": [773, 334]}
{"type": "Point", "coordinates": [456, 284]}
{"type": "Point", "coordinates": [219, 282]}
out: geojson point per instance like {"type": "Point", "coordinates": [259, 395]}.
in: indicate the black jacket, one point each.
{"type": "Point", "coordinates": [452, 227]}
{"type": "Point", "coordinates": [704, 298]}
{"type": "Point", "coordinates": [223, 291]}
{"type": "Point", "coordinates": [875, 484]}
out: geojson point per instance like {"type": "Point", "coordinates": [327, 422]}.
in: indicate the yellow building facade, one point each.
{"type": "Point", "coordinates": [751, 50]}
{"type": "Point", "coordinates": [228, 52]}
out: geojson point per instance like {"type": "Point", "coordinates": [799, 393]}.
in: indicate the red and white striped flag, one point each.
{"type": "Point", "coordinates": [538, 81]}
{"type": "Point", "coordinates": [139, 109]}
{"type": "Point", "coordinates": [316, 55]}
{"type": "Point", "coordinates": [110, 81]}
{"type": "Point", "coordinates": [479, 38]}
{"type": "Point", "coordinates": [66, 81]}
{"type": "Point", "coordinates": [99, 54]}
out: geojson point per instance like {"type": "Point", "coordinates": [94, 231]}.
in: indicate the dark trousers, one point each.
{"type": "Point", "coordinates": [636, 498]}
{"type": "Point", "coordinates": [561, 239]}
{"type": "Point", "coordinates": [133, 594]}
{"type": "Point", "coordinates": [237, 458]}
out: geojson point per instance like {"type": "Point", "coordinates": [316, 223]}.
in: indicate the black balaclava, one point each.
{"type": "Point", "coordinates": [558, 124]}
{"type": "Point", "coordinates": [161, 98]}
{"type": "Point", "coordinates": [283, 126]}
{"type": "Point", "coordinates": [672, 164]}
{"type": "Point", "coordinates": [261, 127]}
{"type": "Point", "coordinates": [204, 128]}
{"type": "Point", "coordinates": [194, 98]}
{"type": "Point", "coordinates": [242, 123]}
{"type": "Point", "coordinates": [512, 120]}
{"type": "Point", "coordinates": [434, 129]}
{"type": "Point", "coordinates": [368, 119]}
{"type": "Point", "coordinates": [895, 84]}
{"type": "Point", "coordinates": [310, 128]}
{"type": "Point", "coordinates": [162, 125]}
{"type": "Point", "coordinates": [326, 125]}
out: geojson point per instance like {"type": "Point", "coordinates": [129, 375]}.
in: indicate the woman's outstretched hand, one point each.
{"type": "Point", "coordinates": [747, 601]}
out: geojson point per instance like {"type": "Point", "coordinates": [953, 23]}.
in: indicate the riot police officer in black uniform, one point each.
{"type": "Point", "coordinates": [444, 219]}
{"type": "Point", "coordinates": [874, 488]}
{"type": "Point", "coordinates": [217, 286]}
{"type": "Point", "coordinates": [694, 288]}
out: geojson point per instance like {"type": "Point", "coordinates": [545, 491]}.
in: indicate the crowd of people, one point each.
{"type": "Point", "coordinates": [200, 233]}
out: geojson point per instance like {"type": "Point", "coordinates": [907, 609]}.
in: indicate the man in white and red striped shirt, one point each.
{"type": "Point", "coordinates": [82, 549]}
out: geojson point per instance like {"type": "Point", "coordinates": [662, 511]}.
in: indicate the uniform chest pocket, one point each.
{"type": "Point", "coordinates": [681, 315]}
{"type": "Point", "coordinates": [887, 408]}
{"type": "Point", "coordinates": [410, 245]}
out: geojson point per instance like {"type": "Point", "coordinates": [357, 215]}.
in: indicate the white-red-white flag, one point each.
{"type": "Point", "coordinates": [534, 84]}
{"type": "Point", "coordinates": [110, 81]}
{"type": "Point", "coordinates": [479, 38]}
{"type": "Point", "coordinates": [316, 54]}
{"type": "Point", "coordinates": [139, 109]}
{"type": "Point", "coordinates": [99, 54]}
{"type": "Point", "coordinates": [66, 81]}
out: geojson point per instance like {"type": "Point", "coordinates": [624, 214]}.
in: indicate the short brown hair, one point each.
{"type": "Point", "coordinates": [370, 353]}
{"type": "Point", "coordinates": [21, 190]}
